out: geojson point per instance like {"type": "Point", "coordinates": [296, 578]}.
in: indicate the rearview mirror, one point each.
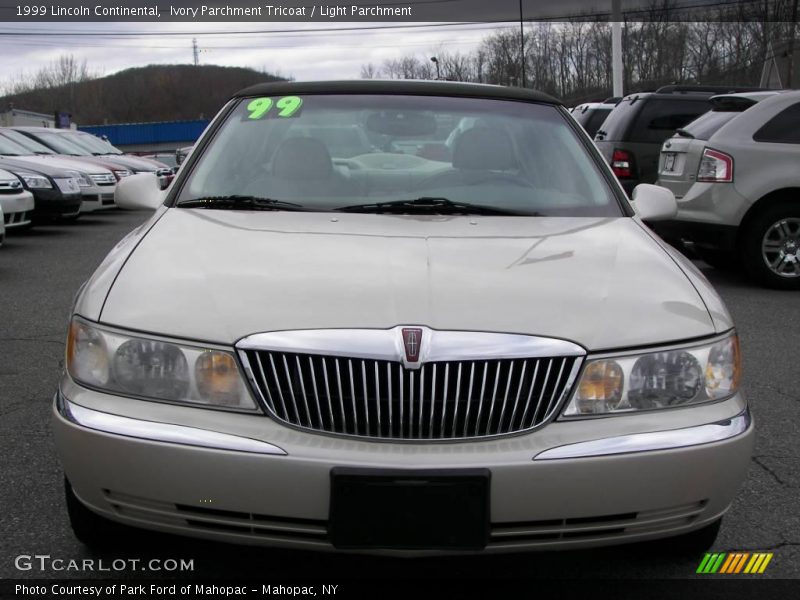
{"type": "Point", "coordinates": [653, 202]}
{"type": "Point", "coordinates": [139, 192]}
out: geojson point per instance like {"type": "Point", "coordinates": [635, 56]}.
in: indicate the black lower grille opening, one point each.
{"type": "Point", "coordinates": [594, 533]}
{"type": "Point", "coordinates": [602, 519]}
{"type": "Point", "coordinates": [212, 512]}
{"type": "Point", "coordinates": [219, 526]}
{"type": "Point", "coordinates": [519, 524]}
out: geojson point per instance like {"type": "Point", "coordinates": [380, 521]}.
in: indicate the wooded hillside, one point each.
{"type": "Point", "coordinates": [152, 93]}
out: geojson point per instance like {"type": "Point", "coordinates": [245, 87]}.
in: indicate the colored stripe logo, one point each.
{"type": "Point", "coordinates": [732, 563]}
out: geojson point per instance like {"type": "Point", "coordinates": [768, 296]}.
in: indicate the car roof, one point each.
{"type": "Point", "coordinates": [40, 129]}
{"type": "Point", "coordinates": [397, 86]}
{"type": "Point", "coordinates": [592, 105]}
{"type": "Point", "coordinates": [757, 96]}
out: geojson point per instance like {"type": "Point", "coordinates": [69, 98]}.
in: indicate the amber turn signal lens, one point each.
{"type": "Point", "coordinates": [601, 384]}
{"type": "Point", "coordinates": [724, 368]}
{"type": "Point", "coordinates": [218, 377]}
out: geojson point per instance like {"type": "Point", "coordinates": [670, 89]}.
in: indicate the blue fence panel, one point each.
{"type": "Point", "coordinates": [149, 133]}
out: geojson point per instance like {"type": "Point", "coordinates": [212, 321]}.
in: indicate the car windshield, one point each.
{"type": "Point", "coordinates": [706, 125]}
{"type": "Point", "coordinates": [61, 144]}
{"type": "Point", "coordinates": [327, 152]}
{"type": "Point", "coordinates": [92, 143]}
{"type": "Point", "coordinates": [23, 140]}
{"type": "Point", "coordinates": [9, 147]}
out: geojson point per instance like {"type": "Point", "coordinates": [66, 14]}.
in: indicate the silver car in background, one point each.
{"type": "Point", "coordinates": [735, 172]}
{"type": "Point", "coordinates": [16, 203]}
{"type": "Point", "coordinates": [483, 352]}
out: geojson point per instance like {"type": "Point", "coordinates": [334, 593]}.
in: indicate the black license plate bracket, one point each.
{"type": "Point", "coordinates": [442, 509]}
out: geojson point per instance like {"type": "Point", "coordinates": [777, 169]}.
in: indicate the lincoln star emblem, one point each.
{"type": "Point", "coordinates": [412, 341]}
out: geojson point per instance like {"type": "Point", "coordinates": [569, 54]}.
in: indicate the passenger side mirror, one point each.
{"type": "Point", "coordinates": [653, 202]}
{"type": "Point", "coordinates": [139, 192]}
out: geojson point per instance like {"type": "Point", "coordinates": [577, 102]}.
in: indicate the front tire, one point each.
{"type": "Point", "coordinates": [771, 247]}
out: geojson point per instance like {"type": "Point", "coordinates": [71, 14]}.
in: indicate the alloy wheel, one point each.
{"type": "Point", "coordinates": [780, 247]}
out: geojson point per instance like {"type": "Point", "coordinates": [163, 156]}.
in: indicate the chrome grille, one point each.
{"type": "Point", "coordinates": [383, 399]}
{"type": "Point", "coordinates": [10, 186]}
{"type": "Point", "coordinates": [103, 178]}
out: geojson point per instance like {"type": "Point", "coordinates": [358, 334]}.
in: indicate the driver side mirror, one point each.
{"type": "Point", "coordinates": [139, 192]}
{"type": "Point", "coordinates": [653, 202]}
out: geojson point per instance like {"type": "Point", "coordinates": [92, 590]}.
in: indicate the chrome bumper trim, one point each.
{"type": "Point", "coordinates": [656, 440]}
{"type": "Point", "coordinates": [160, 432]}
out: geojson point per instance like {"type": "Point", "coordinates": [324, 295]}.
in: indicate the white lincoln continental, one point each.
{"type": "Point", "coordinates": [403, 317]}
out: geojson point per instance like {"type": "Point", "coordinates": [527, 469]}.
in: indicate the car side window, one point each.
{"type": "Point", "coordinates": [783, 128]}
{"type": "Point", "coordinates": [659, 119]}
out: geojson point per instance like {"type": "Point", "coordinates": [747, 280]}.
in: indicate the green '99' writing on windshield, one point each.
{"type": "Point", "coordinates": [287, 107]}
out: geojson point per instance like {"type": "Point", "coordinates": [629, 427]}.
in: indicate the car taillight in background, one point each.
{"type": "Point", "coordinates": [622, 164]}
{"type": "Point", "coordinates": [715, 167]}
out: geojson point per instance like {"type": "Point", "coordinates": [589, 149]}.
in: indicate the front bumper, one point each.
{"type": "Point", "coordinates": [97, 199]}
{"type": "Point", "coordinates": [17, 209]}
{"type": "Point", "coordinates": [52, 204]}
{"type": "Point", "coordinates": [246, 479]}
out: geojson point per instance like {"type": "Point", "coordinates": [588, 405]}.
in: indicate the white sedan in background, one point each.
{"type": "Point", "coordinates": [16, 203]}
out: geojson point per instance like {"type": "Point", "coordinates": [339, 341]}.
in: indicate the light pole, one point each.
{"type": "Point", "coordinates": [435, 61]}
{"type": "Point", "coordinates": [617, 82]}
{"type": "Point", "coordinates": [522, 43]}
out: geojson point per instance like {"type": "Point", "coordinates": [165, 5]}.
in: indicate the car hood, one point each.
{"type": "Point", "coordinates": [218, 276]}
{"type": "Point", "coordinates": [72, 163]}
{"type": "Point", "coordinates": [134, 163]}
{"type": "Point", "coordinates": [35, 164]}
{"type": "Point", "coordinates": [154, 163]}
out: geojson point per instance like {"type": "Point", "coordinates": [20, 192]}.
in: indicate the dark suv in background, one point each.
{"type": "Point", "coordinates": [591, 115]}
{"type": "Point", "coordinates": [631, 136]}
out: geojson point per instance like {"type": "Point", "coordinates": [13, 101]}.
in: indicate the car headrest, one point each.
{"type": "Point", "coordinates": [302, 158]}
{"type": "Point", "coordinates": [484, 149]}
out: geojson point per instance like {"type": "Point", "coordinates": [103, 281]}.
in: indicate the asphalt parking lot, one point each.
{"type": "Point", "coordinates": [41, 270]}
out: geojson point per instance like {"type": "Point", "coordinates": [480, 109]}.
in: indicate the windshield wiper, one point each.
{"type": "Point", "coordinates": [684, 133]}
{"type": "Point", "coordinates": [428, 204]}
{"type": "Point", "coordinates": [237, 202]}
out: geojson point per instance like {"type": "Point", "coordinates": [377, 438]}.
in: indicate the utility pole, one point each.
{"type": "Point", "coordinates": [616, 48]}
{"type": "Point", "coordinates": [195, 51]}
{"type": "Point", "coordinates": [522, 43]}
{"type": "Point", "coordinates": [790, 49]}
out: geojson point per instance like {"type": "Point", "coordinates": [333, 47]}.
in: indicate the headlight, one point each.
{"type": "Point", "coordinates": [662, 379]}
{"type": "Point", "coordinates": [121, 173]}
{"type": "Point", "coordinates": [158, 369]}
{"type": "Point", "coordinates": [37, 182]}
{"type": "Point", "coordinates": [83, 179]}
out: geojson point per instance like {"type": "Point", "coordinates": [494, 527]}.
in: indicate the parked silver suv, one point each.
{"type": "Point", "coordinates": [736, 186]}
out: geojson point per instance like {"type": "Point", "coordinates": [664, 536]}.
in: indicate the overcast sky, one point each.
{"type": "Point", "coordinates": [302, 54]}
